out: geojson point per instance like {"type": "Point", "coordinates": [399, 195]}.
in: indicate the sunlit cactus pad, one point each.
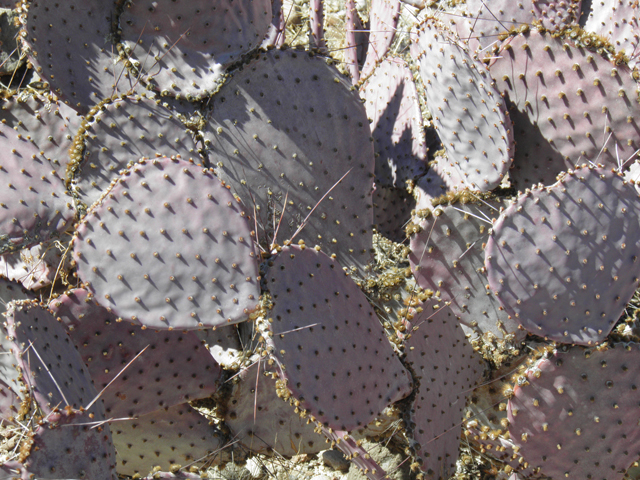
{"type": "Point", "coordinates": [324, 333]}
{"type": "Point", "coordinates": [563, 260]}
{"type": "Point", "coordinates": [48, 125]}
{"type": "Point", "coordinates": [468, 111]}
{"type": "Point", "coordinates": [34, 205]}
{"type": "Point", "coordinates": [484, 22]}
{"type": "Point", "coordinates": [572, 106]}
{"type": "Point", "coordinates": [383, 23]}
{"type": "Point", "coordinates": [72, 50]}
{"type": "Point", "coordinates": [576, 416]}
{"type": "Point", "coordinates": [184, 46]}
{"type": "Point", "coordinates": [619, 22]}
{"type": "Point", "coordinates": [123, 130]}
{"type": "Point", "coordinates": [172, 367]}
{"type": "Point", "coordinates": [283, 132]}
{"type": "Point", "coordinates": [169, 247]}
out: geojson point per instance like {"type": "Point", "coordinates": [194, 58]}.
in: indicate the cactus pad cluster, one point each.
{"type": "Point", "coordinates": [221, 243]}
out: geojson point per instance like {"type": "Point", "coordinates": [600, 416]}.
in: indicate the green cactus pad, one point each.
{"type": "Point", "coordinates": [287, 128]}
{"type": "Point", "coordinates": [169, 247]}
{"type": "Point", "coordinates": [563, 260]}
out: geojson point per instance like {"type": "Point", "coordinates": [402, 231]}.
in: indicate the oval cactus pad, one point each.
{"type": "Point", "coordinates": [173, 367]}
{"type": "Point", "coordinates": [563, 260]}
{"type": "Point", "coordinates": [329, 342]}
{"type": "Point", "coordinates": [577, 415]}
{"type": "Point", "coordinates": [72, 49]}
{"type": "Point", "coordinates": [178, 435]}
{"type": "Point", "coordinates": [169, 247]}
{"type": "Point", "coordinates": [54, 374]}
{"type": "Point", "coordinates": [263, 422]}
{"type": "Point", "coordinates": [391, 100]}
{"type": "Point", "coordinates": [184, 46]}
{"type": "Point", "coordinates": [286, 129]}
{"type": "Point", "coordinates": [447, 255]}
{"type": "Point", "coordinates": [447, 369]}
{"type": "Point", "coordinates": [125, 129]}
{"type": "Point", "coordinates": [468, 112]}
{"type": "Point", "coordinates": [571, 105]}
{"type": "Point", "coordinates": [33, 203]}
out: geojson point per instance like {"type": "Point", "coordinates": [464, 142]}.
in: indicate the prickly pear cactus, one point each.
{"type": "Point", "coordinates": [167, 225]}
{"type": "Point", "coordinates": [447, 254]}
{"type": "Point", "coordinates": [111, 350]}
{"type": "Point", "coordinates": [240, 254]}
{"type": "Point", "coordinates": [344, 327]}
{"type": "Point", "coordinates": [550, 245]}
{"type": "Point", "coordinates": [183, 47]}
{"type": "Point", "coordinates": [573, 105]}
{"type": "Point", "coordinates": [469, 114]}
{"type": "Point", "coordinates": [579, 402]}
{"type": "Point", "coordinates": [284, 164]}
